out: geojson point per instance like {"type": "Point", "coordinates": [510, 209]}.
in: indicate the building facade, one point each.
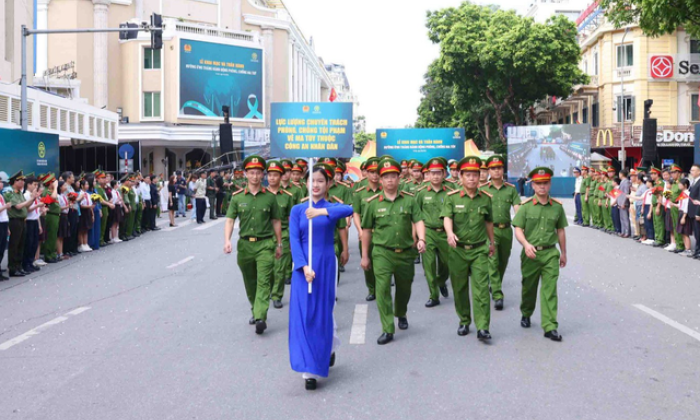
{"type": "Point", "coordinates": [617, 62]}
{"type": "Point", "coordinates": [341, 84]}
{"type": "Point", "coordinates": [233, 43]}
{"type": "Point", "coordinates": [541, 10]}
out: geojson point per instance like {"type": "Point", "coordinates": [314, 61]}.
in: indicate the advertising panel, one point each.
{"type": "Point", "coordinates": [421, 143]}
{"type": "Point", "coordinates": [215, 75]}
{"type": "Point", "coordinates": [29, 151]}
{"type": "Point", "coordinates": [311, 129]}
{"type": "Point", "coordinates": [674, 67]}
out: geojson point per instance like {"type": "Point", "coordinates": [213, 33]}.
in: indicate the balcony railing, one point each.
{"type": "Point", "coordinates": [191, 28]}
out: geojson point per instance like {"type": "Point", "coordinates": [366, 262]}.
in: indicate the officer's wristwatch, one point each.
{"type": "Point", "coordinates": [279, 245]}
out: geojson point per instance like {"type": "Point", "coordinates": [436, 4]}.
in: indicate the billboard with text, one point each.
{"type": "Point", "coordinates": [421, 143]}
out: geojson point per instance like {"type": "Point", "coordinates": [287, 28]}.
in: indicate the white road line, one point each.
{"type": "Point", "coordinates": [668, 321]}
{"type": "Point", "coordinates": [178, 226]}
{"type": "Point", "coordinates": [183, 261]}
{"type": "Point", "coordinates": [210, 224]}
{"type": "Point", "coordinates": [35, 331]}
{"type": "Point", "coordinates": [359, 324]}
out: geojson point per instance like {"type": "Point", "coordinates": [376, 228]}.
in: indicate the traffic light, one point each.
{"type": "Point", "coordinates": [131, 33]}
{"type": "Point", "coordinates": [156, 34]}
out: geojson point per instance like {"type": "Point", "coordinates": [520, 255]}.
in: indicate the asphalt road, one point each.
{"type": "Point", "coordinates": [116, 334]}
{"type": "Point", "coordinates": [560, 163]}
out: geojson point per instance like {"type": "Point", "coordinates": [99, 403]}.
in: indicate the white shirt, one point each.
{"type": "Point", "coordinates": [116, 197]}
{"type": "Point", "coordinates": [647, 197]}
{"type": "Point", "coordinates": [683, 204]}
{"type": "Point", "coordinates": [63, 202]}
{"type": "Point", "coordinates": [87, 200]}
{"type": "Point", "coordinates": [145, 191]}
{"type": "Point", "coordinates": [32, 214]}
{"type": "Point", "coordinates": [577, 186]}
{"type": "Point", "coordinates": [3, 214]}
{"type": "Point", "coordinates": [201, 188]}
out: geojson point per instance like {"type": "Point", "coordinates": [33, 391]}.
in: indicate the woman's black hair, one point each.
{"type": "Point", "coordinates": [113, 183]}
{"type": "Point", "coordinates": [322, 171]}
{"type": "Point", "coordinates": [685, 182]}
{"type": "Point", "coordinates": [60, 184]}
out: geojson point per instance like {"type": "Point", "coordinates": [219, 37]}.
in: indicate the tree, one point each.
{"type": "Point", "coordinates": [655, 17]}
{"type": "Point", "coordinates": [502, 59]}
{"type": "Point", "coordinates": [361, 140]}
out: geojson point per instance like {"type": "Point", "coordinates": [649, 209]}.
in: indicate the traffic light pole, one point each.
{"type": "Point", "coordinates": [24, 114]}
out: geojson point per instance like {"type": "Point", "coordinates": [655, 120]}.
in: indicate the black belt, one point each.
{"type": "Point", "coordinates": [470, 246]}
{"type": "Point", "coordinates": [437, 229]}
{"type": "Point", "coordinates": [254, 239]}
{"type": "Point", "coordinates": [501, 225]}
{"type": "Point", "coordinates": [542, 248]}
{"type": "Point", "coordinates": [396, 250]}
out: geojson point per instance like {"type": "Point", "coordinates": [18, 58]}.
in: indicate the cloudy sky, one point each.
{"type": "Point", "coordinates": [384, 47]}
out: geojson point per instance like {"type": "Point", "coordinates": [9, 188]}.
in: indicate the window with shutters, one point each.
{"type": "Point", "coordinates": [694, 108]}
{"type": "Point", "coordinates": [151, 105]}
{"type": "Point", "coordinates": [625, 55]}
{"type": "Point", "coordinates": [151, 59]}
{"type": "Point", "coordinates": [584, 115]}
{"type": "Point", "coordinates": [625, 107]}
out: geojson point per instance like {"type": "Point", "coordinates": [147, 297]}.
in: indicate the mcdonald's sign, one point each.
{"type": "Point", "coordinates": [605, 134]}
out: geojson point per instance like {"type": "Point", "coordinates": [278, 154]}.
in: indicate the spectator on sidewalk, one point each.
{"type": "Point", "coordinates": [623, 204]}
{"type": "Point", "coordinates": [181, 195]}
{"type": "Point", "coordinates": [32, 227]}
{"type": "Point", "coordinates": [4, 226]}
{"type": "Point", "coordinates": [201, 196]}
{"type": "Point", "coordinates": [173, 202]}
{"type": "Point", "coordinates": [155, 202]}
{"type": "Point", "coordinates": [578, 218]}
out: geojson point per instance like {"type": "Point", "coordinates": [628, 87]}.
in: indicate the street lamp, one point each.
{"type": "Point", "coordinates": [623, 156]}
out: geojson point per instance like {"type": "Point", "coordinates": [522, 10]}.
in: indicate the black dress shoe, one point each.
{"type": "Point", "coordinates": [251, 321]}
{"type": "Point", "coordinates": [277, 304]}
{"type": "Point", "coordinates": [29, 270]}
{"type": "Point", "coordinates": [332, 363]}
{"type": "Point", "coordinates": [417, 260]}
{"type": "Point", "coordinates": [310, 384]}
{"type": "Point", "coordinates": [678, 251]}
{"type": "Point", "coordinates": [260, 326]}
{"type": "Point", "coordinates": [463, 330]}
{"type": "Point", "coordinates": [444, 292]}
{"type": "Point", "coordinates": [52, 260]}
{"type": "Point", "coordinates": [18, 273]}
{"type": "Point", "coordinates": [341, 269]}
{"type": "Point", "coordinates": [288, 281]}
{"type": "Point", "coordinates": [3, 278]}
{"type": "Point", "coordinates": [553, 335]}
{"type": "Point", "coordinates": [636, 237]}
{"type": "Point", "coordinates": [525, 322]}
{"type": "Point", "coordinates": [370, 297]}
{"type": "Point", "coordinates": [658, 245]}
{"type": "Point", "coordinates": [385, 338]}
{"type": "Point", "coordinates": [403, 323]}
{"type": "Point", "coordinates": [431, 303]}
{"type": "Point", "coordinates": [483, 335]}
{"type": "Point", "coordinates": [498, 305]}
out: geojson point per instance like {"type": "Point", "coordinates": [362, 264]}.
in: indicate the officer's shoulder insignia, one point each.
{"type": "Point", "coordinates": [237, 192]}
{"type": "Point", "coordinates": [359, 189]}
{"type": "Point", "coordinates": [556, 201]}
{"type": "Point", "coordinates": [453, 192]}
{"type": "Point", "coordinates": [486, 193]}
{"type": "Point", "coordinates": [422, 188]}
{"type": "Point", "coordinates": [337, 199]}
{"type": "Point", "coordinates": [526, 201]}
{"type": "Point", "coordinates": [372, 197]}
{"type": "Point", "coordinates": [343, 183]}
{"type": "Point", "coordinates": [509, 184]}
{"type": "Point", "coordinates": [305, 199]}
{"type": "Point", "coordinates": [287, 192]}
{"type": "Point", "coordinates": [407, 193]}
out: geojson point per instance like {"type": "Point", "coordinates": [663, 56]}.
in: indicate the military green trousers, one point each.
{"type": "Point", "coordinates": [137, 219]}
{"type": "Point", "coordinates": [130, 219]}
{"type": "Point", "coordinates": [257, 262]}
{"type": "Point", "coordinates": [283, 268]}
{"type": "Point", "coordinates": [103, 228]}
{"type": "Point", "coordinates": [370, 281]}
{"type": "Point", "coordinates": [387, 262]}
{"type": "Point", "coordinates": [48, 247]}
{"type": "Point", "coordinates": [435, 259]}
{"type": "Point", "coordinates": [674, 222]}
{"type": "Point", "coordinates": [607, 218]}
{"type": "Point", "coordinates": [585, 212]}
{"type": "Point", "coordinates": [659, 226]}
{"type": "Point", "coordinates": [545, 267]}
{"type": "Point", "coordinates": [498, 263]}
{"type": "Point", "coordinates": [466, 265]}
{"type": "Point", "coordinates": [593, 209]}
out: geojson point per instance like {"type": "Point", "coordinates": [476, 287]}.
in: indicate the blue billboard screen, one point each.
{"type": "Point", "coordinates": [29, 151]}
{"type": "Point", "coordinates": [214, 75]}
{"type": "Point", "coordinates": [421, 143]}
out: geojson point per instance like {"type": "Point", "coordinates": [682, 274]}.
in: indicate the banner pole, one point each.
{"type": "Point", "coordinates": [309, 186]}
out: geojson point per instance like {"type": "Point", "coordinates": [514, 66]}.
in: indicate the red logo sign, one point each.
{"type": "Point", "coordinates": [661, 66]}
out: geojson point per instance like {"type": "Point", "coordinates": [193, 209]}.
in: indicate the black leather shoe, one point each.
{"type": "Point", "coordinates": [431, 303]}
{"type": "Point", "coordinates": [52, 261]}
{"type": "Point", "coordinates": [3, 278]}
{"type": "Point", "coordinates": [403, 323]}
{"type": "Point", "coordinates": [498, 305]}
{"type": "Point", "coordinates": [26, 273]}
{"type": "Point", "coordinates": [277, 304]}
{"type": "Point", "coordinates": [463, 330]}
{"type": "Point", "coordinates": [444, 292]}
{"type": "Point", "coordinates": [29, 269]}
{"type": "Point", "coordinates": [288, 281]}
{"type": "Point", "coordinates": [525, 322]}
{"type": "Point", "coordinates": [370, 297]}
{"type": "Point", "coordinates": [260, 326]}
{"type": "Point", "coordinates": [332, 363]}
{"type": "Point", "coordinates": [155, 228]}
{"type": "Point", "coordinates": [658, 245]}
{"type": "Point", "coordinates": [483, 335]}
{"type": "Point", "coordinates": [310, 384]}
{"type": "Point", "coordinates": [251, 321]}
{"type": "Point", "coordinates": [553, 335]}
{"type": "Point", "coordinates": [636, 237]}
{"type": "Point", "coordinates": [678, 251]}
{"type": "Point", "coordinates": [385, 338]}
{"type": "Point", "coordinates": [17, 274]}
{"type": "Point", "coordinates": [341, 269]}
{"type": "Point", "coordinates": [417, 260]}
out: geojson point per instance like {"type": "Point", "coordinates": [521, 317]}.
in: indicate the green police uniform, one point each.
{"type": "Point", "coordinates": [105, 213]}
{"type": "Point", "coordinates": [283, 265]}
{"type": "Point", "coordinates": [599, 193]}
{"type": "Point", "coordinates": [540, 223]}
{"type": "Point", "coordinates": [585, 214]}
{"type": "Point", "coordinates": [359, 204]}
{"type": "Point", "coordinates": [16, 225]}
{"type": "Point", "coordinates": [211, 196]}
{"type": "Point", "coordinates": [53, 214]}
{"type": "Point", "coordinates": [436, 255]}
{"type": "Point", "coordinates": [393, 252]}
{"type": "Point", "coordinates": [502, 199]}
{"type": "Point", "coordinates": [607, 207]}
{"type": "Point", "coordinates": [470, 259]}
{"type": "Point", "coordinates": [135, 209]}
{"type": "Point", "coordinates": [675, 192]}
{"type": "Point", "coordinates": [659, 220]}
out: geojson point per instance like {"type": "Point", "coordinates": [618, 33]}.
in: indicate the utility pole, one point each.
{"type": "Point", "coordinates": [622, 92]}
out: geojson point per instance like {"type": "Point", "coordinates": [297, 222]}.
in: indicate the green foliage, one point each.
{"type": "Point", "coordinates": [361, 140]}
{"type": "Point", "coordinates": [655, 17]}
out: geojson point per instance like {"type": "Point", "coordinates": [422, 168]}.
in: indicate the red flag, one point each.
{"type": "Point", "coordinates": [334, 95]}
{"type": "Point", "coordinates": [554, 99]}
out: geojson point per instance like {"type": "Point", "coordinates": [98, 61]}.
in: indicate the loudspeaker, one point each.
{"type": "Point", "coordinates": [649, 140]}
{"type": "Point", "coordinates": [225, 138]}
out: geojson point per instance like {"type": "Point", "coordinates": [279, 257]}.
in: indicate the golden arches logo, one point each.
{"type": "Point", "coordinates": [606, 134]}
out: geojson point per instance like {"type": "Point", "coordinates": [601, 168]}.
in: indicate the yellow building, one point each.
{"type": "Point", "coordinates": [619, 62]}
{"type": "Point", "coordinates": [145, 86]}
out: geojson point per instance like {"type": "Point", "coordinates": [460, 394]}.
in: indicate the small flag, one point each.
{"type": "Point", "coordinates": [554, 99]}
{"type": "Point", "coordinates": [334, 95]}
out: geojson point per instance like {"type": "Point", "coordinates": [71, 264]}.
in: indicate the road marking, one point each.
{"type": "Point", "coordinates": [210, 224]}
{"type": "Point", "coordinates": [668, 321]}
{"type": "Point", "coordinates": [359, 324]}
{"type": "Point", "coordinates": [183, 261]}
{"type": "Point", "coordinates": [178, 226]}
{"type": "Point", "coordinates": [35, 331]}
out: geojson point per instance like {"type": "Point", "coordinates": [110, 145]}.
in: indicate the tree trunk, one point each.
{"type": "Point", "coordinates": [487, 129]}
{"type": "Point", "coordinates": [498, 109]}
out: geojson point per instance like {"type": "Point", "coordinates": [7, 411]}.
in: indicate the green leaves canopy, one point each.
{"type": "Point", "coordinates": [655, 17]}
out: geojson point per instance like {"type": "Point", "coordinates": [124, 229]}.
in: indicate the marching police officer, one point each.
{"type": "Point", "coordinates": [359, 204]}
{"type": "Point", "coordinates": [468, 222]}
{"type": "Point", "coordinates": [285, 202]}
{"type": "Point", "coordinates": [260, 241]}
{"type": "Point", "coordinates": [539, 226]}
{"type": "Point", "coordinates": [503, 197]}
{"type": "Point", "coordinates": [387, 223]}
